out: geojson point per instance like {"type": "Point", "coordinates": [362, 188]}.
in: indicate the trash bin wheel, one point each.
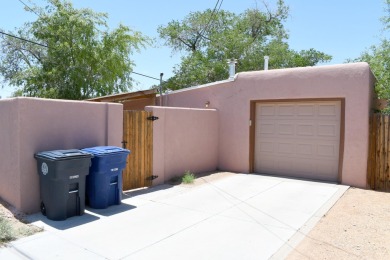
{"type": "Point", "coordinates": [43, 209]}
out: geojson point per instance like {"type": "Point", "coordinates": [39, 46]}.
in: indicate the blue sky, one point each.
{"type": "Point", "coordinates": [341, 28]}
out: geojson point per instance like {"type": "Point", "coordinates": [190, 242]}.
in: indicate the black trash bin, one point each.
{"type": "Point", "coordinates": [104, 182]}
{"type": "Point", "coordinates": [62, 182]}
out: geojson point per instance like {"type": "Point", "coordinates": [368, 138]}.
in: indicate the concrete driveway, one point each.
{"type": "Point", "coordinates": [240, 216]}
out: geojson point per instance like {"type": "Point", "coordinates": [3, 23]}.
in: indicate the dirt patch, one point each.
{"type": "Point", "coordinates": [356, 227]}
{"type": "Point", "coordinates": [13, 224]}
{"type": "Point", "coordinates": [200, 178]}
{"type": "Point", "coordinates": [209, 177]}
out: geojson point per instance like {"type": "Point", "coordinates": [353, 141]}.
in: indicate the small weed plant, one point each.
{"type": "Point", "coordinates": [188, 177]}
{"type": "Point", "coordinates": [6, 233]}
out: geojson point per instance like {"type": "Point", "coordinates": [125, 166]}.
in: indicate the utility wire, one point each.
{"type": "Point", "coordinates": [28, 7]}
{"type": "Point", "coordinates": [23, 39]}
{"type": "Point", "coordinates": [145, 75]}
{"type": "Point", "coordinates": [212, 16]}
{"type": "Point", "coordinates": [40, 44]}
{"type": "Point", "coordinates": [219, 7]}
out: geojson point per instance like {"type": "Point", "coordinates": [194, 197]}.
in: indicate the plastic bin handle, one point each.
{"type": "Point", "coordinates": [73, 153]}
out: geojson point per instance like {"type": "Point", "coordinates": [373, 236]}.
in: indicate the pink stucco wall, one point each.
{"type": "Point", "coordinates": [30, 125]}
{"type": "Point", "coordinates": [354, 82]}
{"type": "Point", "coordinates": [183, 139]}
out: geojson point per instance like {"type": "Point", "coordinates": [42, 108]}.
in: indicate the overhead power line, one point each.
{"type": "Point", "coordinates": [43, 45]}
{"type": "Point", "coordinates": [40, 44]}
{"type": "Point", "coordinates": [23, 39]}
{"type": "Point", "coordinates": [28, 7]}
{"type": "Point", "coordinates": [212, 16]}
{"type": "Point", "coordinates": [145, 75]}
{"type": "Point", "coordinates": [219, 7]}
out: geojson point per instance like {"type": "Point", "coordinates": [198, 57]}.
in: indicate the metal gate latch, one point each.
{"type": "Point", "coordinates": [153, 118]}
{"type": "Point", "coordinates": [150, 178]}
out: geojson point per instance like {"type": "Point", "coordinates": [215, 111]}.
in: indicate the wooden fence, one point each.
{"type": "Point", "coordinates": [138, 138]}
{"type": "Point", "coordinates": [378, 172]}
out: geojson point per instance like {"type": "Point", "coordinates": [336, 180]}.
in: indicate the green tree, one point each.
{"type": "Point", "coordinates": [79, 57]}
{"type": "Point", "coordinates": [378, 57]}
{"type": "Point", "coordinates": [208, 39]}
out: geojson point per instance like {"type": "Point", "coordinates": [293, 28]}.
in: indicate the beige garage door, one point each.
{"type": "Point", "coordinates": [298, 139]}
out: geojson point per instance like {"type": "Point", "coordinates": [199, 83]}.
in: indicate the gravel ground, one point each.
{"type": "Point", "coordinates": [356, 227]}
{"type": "Point", "coordinates": [14, 224]}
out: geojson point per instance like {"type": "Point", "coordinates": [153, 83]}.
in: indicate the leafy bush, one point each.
{"type": "Point", "coordinates": [385, 111]}
{"type": "Point", "coordinates": [188, 177]}
{"type": "Point", "coordinates": [6, 233]}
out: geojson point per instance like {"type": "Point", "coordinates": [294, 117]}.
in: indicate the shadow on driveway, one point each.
{"type": "Point", "coordinates": [65, 224]}
{"type": "Point", "coordinates": [112, 210]}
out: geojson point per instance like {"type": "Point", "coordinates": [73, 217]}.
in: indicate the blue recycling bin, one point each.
{"type": "Point", "coordinates": [104, 182]}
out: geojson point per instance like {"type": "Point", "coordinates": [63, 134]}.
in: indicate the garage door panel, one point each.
{"type": "Point", "coordinates": [299, 147]}
{"type": "Point", "coordinates": [283, 165]}
{"type": "Point", "coordinates": [266, 146]}
{"type": "Point", "coordinates": [272, 165]}
{"type": "Point", "coordinates": [328, 110]}
{"type": "Point", "coordinates": [306, 150]}
{"type": "Point", "coordinates": [298, 139]}
{"type": "Point", "coordinates": [327, 150]}
{"type": "Point", "coordinates": [285, 148]}
{"type": "Point", "coordinates": [327, 130]}
{"type": "Point", "coordinates": [265, 110]}
{"type": "Point", "coordinates": [303, 166]}
{"type": "Point", "coordinates": [286, 128]}
{"type": "Point", "coordinates": [306, 110]}
{"type": "Point", "coordinates": [280, 166]}
{"type": "Point", "coordinates": [306, 129]}
{"type": "Point", "coordinates": [300, 110]}
{"type": "Point", "coordinates": [299, 169]}
{"type": "Point", "coordinates": [266, 128]}
{"type": "Point", "coordinates": [326, 171]}
{"type": "Point", "coordinates": [267, 164]}
{"type": "Point", "coordinates": [286, 110]}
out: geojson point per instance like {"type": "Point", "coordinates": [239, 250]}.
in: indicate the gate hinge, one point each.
{"type": "Point", "coordinates": [153, 118]}
{"type": "Point", "coordinates": [150, 178]}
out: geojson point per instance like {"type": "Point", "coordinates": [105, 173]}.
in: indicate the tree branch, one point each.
{"type": "Point", "coordinates": [32, 53]}
{"type": "Point", "coordinates": [25, 58]}
{"type": "Point", "coordinates": [189, 45]}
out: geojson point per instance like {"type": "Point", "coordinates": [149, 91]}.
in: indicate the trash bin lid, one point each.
{"type": "Point", "coordinates": [105, 150]}
{"type": "Point", "coordinates": [63, 154]}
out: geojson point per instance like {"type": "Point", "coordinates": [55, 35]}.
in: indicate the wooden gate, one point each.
{"type": "Point", "coordinates": [378, 174]}
{"type": "Point", "coordinates": [138, 138]}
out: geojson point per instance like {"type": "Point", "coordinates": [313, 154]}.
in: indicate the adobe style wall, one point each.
{"type": "Point", "coordinates": [353, 82]}
{"type": "Point", "coordinates": [183, 139]}
{"type": "Point", "coordinates": [31, 125]}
